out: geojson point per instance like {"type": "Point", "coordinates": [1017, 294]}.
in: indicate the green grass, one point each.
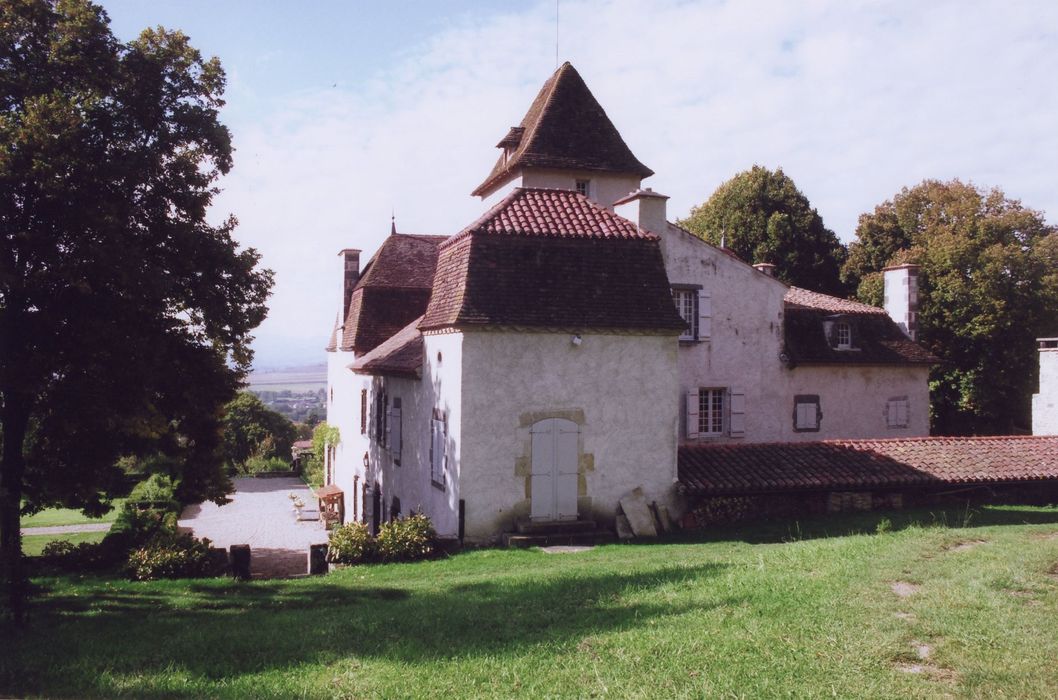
{"type": "Point", "coordinates": [32, 545]}
{"type": "Point", "coordinates": [790, 609]}
{"type": "Point", "coordinates": [53, 517]}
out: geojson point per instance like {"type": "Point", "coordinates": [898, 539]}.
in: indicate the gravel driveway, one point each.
{"type": "Point", "coordinates": [260, 515]}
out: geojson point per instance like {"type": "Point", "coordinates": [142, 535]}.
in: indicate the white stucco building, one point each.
{"type": "Point", "coordinates": [551, 356]}
{"type": "Point", "coordinates": [1045, 403]}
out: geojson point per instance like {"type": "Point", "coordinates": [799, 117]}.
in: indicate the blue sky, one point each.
{"type": "Point", "coordinates": [344, 112]}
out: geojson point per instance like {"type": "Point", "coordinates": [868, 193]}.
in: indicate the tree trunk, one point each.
{"type": "Point", "coordinates": [14, 420]}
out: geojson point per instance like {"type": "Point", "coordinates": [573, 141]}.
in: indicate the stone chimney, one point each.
{"type": "Point", "coordinates": [1045, 403]}
{"type": "Point", "coordinates": [644, 207]}
{"type": "Point", "coordinates": [901, 297]}
{"type": "Point", "coordinates": [350, 259]}
{"type": "Point", "coordinates": [766, 268]}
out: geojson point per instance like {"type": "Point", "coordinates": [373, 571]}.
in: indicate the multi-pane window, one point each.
{"type": "Point", "coordinates": [806, 413]}
{"type": "Point", "coordinates": [437, 452]}
{"type": "Point", "coordinates": [844, 335]}
{"type": "Point", "coordinates": [896, 413]}
{"type": "Point", "coordinates": [710, 412]}
{"type": "Point", "coordinates": [583, 187]}
{"type": "Point", "coordinates": [687, 306]}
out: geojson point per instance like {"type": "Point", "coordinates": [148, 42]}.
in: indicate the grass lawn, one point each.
{"type": "Point", "coordinates": [797, 609]}
{"type": "Point", "coordinates": [68, 516]}
{"type": "Point", "coordinates": [33, 544]}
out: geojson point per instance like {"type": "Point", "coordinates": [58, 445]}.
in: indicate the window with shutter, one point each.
{"type": "Point", "coordinates": [705, 315]}
{"type": "Point", "coordinates": [737, 416]}
{"type": "Point", "coordinates": [687, 305]}
{"type": "Point", "coordinates": [691, 421]}
{"type": "Point", "coordinates": [437, 453]}
{"type": "Point", "coordinates": [395, 431]}
{"type": "Point", "coordinates": [897, 412]}
{"type": "Point", "coordinates": [807, 414]}
{"type": "Point", "coordinates": [710, 412]}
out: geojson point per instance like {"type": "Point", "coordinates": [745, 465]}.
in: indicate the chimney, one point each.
{"type": "Point", "coordinates": [1045, 403]}
{"type": "Point", "coordinates": [350, 258]}
{"type": "Point", "coordinates": [766, 268]}
{"type": "Point", "coordinates": [901, 297]}
{"type": "Point", "coordinates": [644, 207]}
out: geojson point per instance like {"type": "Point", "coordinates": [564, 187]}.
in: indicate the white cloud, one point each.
{"type": "Point", "coordinates": [853, 100]}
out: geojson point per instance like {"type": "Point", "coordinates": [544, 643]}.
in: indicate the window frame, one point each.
{"type": "Point", "coordinates": [582, 186]}
{"type": "Point", "coordinates": [711, 415]}
{"type": "Point", "coordinates": [438, 463]}
{"type": "Point", "coordinates": [681, 293]}
{"type": "Point", "coordinates": [893, 402]}
{"type": "Point", "coordinates": [807, 400]}
{"type": "Point", "coordinates": [843, 328]}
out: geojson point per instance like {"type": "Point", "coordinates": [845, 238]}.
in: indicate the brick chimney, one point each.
{"type": "Point", "coordinates": [644, 207]}
{"type": "Point", "coordinates": [901, 297]}
{"type": "Point", "coordinates": [1045, 403]}
{"type": "Point", "coordinates": [350, 259]}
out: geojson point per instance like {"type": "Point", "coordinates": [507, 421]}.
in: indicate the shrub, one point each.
{"type": "Point", "coordinates": [157, 491]}
{"type": "Point", "coordinates": [170, 555]}
{"type": "Point", "coordinates": [57, 548]}
{"type": "Point", "coordinates": [406, 539]}
{"type": "Point", "coordinates": [68, 556]}
{"type": "Point", "coordinates": [258, 464]}
{"type": "Point", "coordinates": [351, 544]}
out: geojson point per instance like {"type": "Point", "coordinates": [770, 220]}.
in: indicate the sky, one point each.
{"type": "Point", "coordinates": [345, 113]}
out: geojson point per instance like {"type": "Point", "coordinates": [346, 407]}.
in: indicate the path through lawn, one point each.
{"type": "Point", "coordinates": [909, 613]}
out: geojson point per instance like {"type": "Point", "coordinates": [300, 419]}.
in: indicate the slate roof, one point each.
{"type": "Point", "coordinates": [565, 128]}
{"type": "Point", "coordinates": [393, 289]}
{"type": "Point", "coordinates": [400, 355]}
{"type": "Point", "coordinates": [876, 339]}
{"type": "Point", "coordinates": [841, 465]}
{"type": "Point", "coordinates": [552, 259]}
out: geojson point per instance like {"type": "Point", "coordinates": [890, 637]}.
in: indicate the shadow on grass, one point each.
{"type": "Point", "coordinates": [218, 629]}
{"type": "Point", "coordinates": [845, 524]}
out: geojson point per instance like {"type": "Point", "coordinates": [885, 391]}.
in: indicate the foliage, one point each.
{"type": "Point", "coordinates": [764, 218]}
{"type": "Point", "coordinates": [157, 490]}
{"type": "Point", "coordinates": [351, 544]}
{"type": "Point", "coordinates": [252, 430]}
{"type": "Point", "coordinates": [171, 555]}
{"type": "Point", "coordinates": [987, 289]}
{"type": "Point", "coordinates": [406, 539]}
{"type": "Point", "coordinates": [125, 315]}
{"type": "Point", "coordinates": [323, 437]}
{"type": "Point", "coordinates": [257, 465]}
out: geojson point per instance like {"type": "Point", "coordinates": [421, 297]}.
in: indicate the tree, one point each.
{"type": "Point", "coordinates": [764, 218]}
{"type": "Point", "coordinates": [987, 289]}
{"type": "Point", "coordinates": [124, 314]}
{"type": "Point", "coordinates": [252, 429]}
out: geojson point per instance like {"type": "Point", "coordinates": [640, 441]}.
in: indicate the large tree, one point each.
{"type": "Point", "coordinates": [987, 288]}
{"type": "Point", "coordinates": [252, 429]}
{"type": "Point", "coordinates": [764, 218]}
{"type": "Point", "coordinates": [124, 314]}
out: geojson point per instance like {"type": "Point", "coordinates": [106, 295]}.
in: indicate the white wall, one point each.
{"type": "Point", "coordinates": [1045, 403]}
{"type": "Point", "coordinates": [605, 188]}
{"type": "Point", "coordinates": [853, 400]}
{"type": "Point", "coordinates": [343, 412]}
{"type": "Point", "coordinates": [618, 388]}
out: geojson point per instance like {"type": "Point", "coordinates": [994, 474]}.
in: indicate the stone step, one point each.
{"type": "Point", "coordinates": [536, 527]}
{"type": "Point", "coordinates": [511, 539]}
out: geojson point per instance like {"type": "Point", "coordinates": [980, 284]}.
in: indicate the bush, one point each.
{"type": "Point", "coordinates": [406, 539]}
{"type": "Point", "coordinates": [67, 556]}
{"type": "Point", "coordinates": [170, 555]}
{"type": "Point", "coordinates": [351, 544]}
{"type": "Point", "coordinates": [258, 464]}
{"type": "Point", "coordinates": [58, 548]}
{"type": "Point", "coordinates": [312, 471]}
{"type": "Point", "coordinates": [157, 491]}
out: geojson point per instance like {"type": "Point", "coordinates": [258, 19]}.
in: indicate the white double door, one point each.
{"type": "Point", "coordinates": [554, 470]}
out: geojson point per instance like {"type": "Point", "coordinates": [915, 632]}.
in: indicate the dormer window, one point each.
{"type": "Point", "coordinates": [583, 187]}
{"type": "Point", "coordinates": [843, 333]}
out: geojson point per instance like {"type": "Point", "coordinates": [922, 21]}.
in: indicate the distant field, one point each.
{"type": "Point", "coordinates": [295, 379]}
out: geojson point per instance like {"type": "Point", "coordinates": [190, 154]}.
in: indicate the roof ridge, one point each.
{"type": "Point", "coordinates": [936, 439]}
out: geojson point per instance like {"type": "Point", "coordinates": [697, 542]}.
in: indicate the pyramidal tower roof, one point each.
{"type": "Point", "coordinates": [565, 128]}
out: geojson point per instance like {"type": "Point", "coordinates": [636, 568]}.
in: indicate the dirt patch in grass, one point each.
{"type": "Point", "coordinates": [1044, 536]}
{"type": "Point", "coordinates": [1053, 571]}
{"type": "Point", "coordinates": [906, 616]}
{"type": "Point", "coordinates": [937, 673]}
{"type": "Point", "coordinates": [1028, 596]}
{"type": "Point", "coordinates": [904, 589]}
{"type": "Point", "coordinates": [963, 545]}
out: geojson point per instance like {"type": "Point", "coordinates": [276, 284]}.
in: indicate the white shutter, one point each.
{"type": "Point", "coordinates": [395, 431]}
{"type": "Point", "coordinates": [806, 416]}
{"type": "Point", "coordinates": [737, 418]}
{"type": "Point", "coordinates": [705, 315]}
{"type": "Point", "coordinates": [691, 400]}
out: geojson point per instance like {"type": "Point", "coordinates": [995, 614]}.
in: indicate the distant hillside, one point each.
{"type": "Point", "coordinates": [304, 378]}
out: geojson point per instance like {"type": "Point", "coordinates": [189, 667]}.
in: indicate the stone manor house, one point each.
{"type": "Point", "coordinates": [572, 345]}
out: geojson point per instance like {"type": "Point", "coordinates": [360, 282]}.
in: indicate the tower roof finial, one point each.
{"type": "Point", "coordinates": [392, 223]}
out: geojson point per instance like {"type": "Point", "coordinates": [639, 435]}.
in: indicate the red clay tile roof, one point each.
{"type": "Point", "coordinates": [552, 258]}
{"type": "Point", "coordinates": [551, 213]}
{"type": "Point", "coordinates": [565, 128]}
{"type": "Point", "coordinates": [393, 289]}
{"type": "Point", "coordinates": [838, 465]}
{"type": "Point", "coordinates": [798, 298]}
{"type": "Point", "coordinates": [400, 355]}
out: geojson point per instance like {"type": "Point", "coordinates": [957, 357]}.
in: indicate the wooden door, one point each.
{"type": "Point", "coordinates": [554, 470]}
